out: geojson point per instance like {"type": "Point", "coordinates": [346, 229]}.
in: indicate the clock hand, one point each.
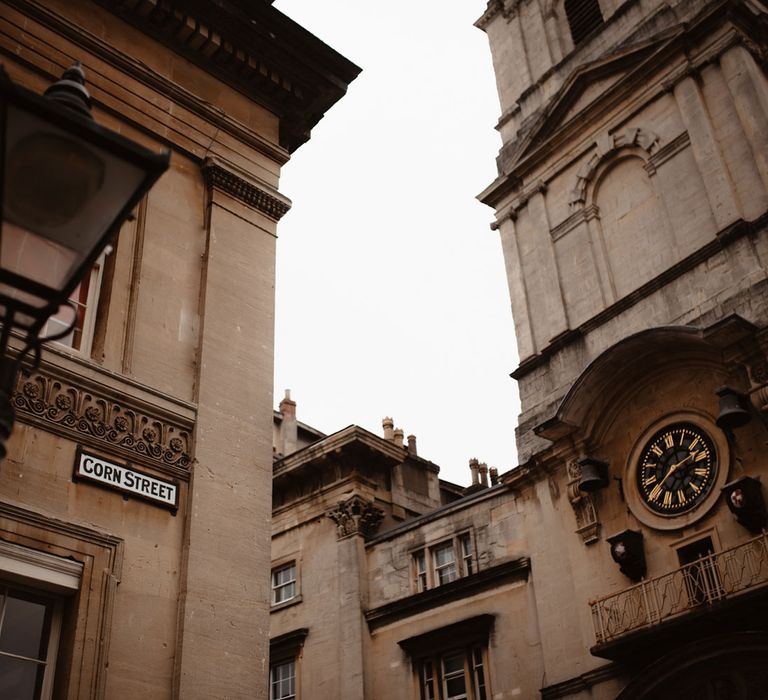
{"type": "Point", "coordinates": [675, 466]}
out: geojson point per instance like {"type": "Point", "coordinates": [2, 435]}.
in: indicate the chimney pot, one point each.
{"type": "Point", "coordinates": [388, 425]}
{"type": "Point", "coordinates": [412, 444]}
{"type": "Point", "coordinates": [399, 437]}
{"type": "Point", "coordinates": [483, 469]}
{"type": "Point", "coordinates": [494, 476]}
{"type": "Point", "coordinates": [473, 469]}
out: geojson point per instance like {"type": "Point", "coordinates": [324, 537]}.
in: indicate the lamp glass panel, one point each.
{"type": "Point", "coordinates": [61, 194]}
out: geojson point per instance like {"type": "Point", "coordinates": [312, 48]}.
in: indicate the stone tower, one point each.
{"type": "Point", "coordinates": [633, 176]}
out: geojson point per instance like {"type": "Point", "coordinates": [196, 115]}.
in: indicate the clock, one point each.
{"type": "Point", "coordinates": [677, 469]}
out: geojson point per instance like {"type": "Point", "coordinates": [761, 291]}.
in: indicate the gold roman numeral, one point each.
{"type": "Point", "coordinates": [669, 440]}
{"type": "Point", "coordinates": [667, 499]}
{"type": "Point", "coordinates": [657, 450]}
{"type": "Point", "coordinates": [701, 455]}
{"type": "Point", "coordinates": [681, 496]}
{"type": "Point", "coordinates": [649, 480]}
{"type": "Point", "coordinates": [654, 494]}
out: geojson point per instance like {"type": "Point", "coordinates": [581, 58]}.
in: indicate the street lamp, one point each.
{"type": "Point", "coordinates": [67, 186]}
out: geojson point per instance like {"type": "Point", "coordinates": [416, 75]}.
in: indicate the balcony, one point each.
{"type": "Point", "coordinates": [713, 588]}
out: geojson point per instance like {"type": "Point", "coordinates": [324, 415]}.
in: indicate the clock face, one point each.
{"type": "Point", "coordinates": [677, 469]}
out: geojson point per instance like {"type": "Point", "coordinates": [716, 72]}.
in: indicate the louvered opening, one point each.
{"type": "Point", "coordinates": [583, 17]}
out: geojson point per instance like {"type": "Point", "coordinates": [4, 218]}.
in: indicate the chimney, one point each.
{"type": "Point", "coordinates": [388, 424]}
{"type": "Point", "coordinates": [399, 437]}
{"type": "Point", "coordinates": [288, 427]}
{"type": "Point", "coordinates": [483, 469]}
{"type": "Point", "coordinates": [494, 476]}
{"type": "Point", "coordinates": [412, 444]}
{"type": "Point", "coordinates": [473, 469]}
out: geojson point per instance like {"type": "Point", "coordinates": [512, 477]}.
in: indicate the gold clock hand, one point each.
{"type": "Point", "coordinates": [675, 466]}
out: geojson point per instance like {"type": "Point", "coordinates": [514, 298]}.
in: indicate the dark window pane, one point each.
{"type": "Point", "coordinates": [25, 625]}
{"type": "Point", "coordinates": [455, 687]}
{"type": "Point", "coordinates": [20, 679]}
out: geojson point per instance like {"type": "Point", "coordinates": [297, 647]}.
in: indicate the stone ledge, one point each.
{"type": "Point", "coordinates": [448, 593]}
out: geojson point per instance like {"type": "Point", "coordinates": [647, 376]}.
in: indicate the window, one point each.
{"type": "Point", "coordinates": [84, 298]}
{"type": "Point", "coordinates": [29, 631]}
{"type": "Point", "coordinates": [458, 674]}
{"type": "Point", "coordinates": [282, 681]}
{"type": "Point", "coordinates": [284, 659]}
{"type": "Point", "coordinates": [451, 662]}
{"type": "Point", "coordinates": [583, 16]}
{"type": "Point", "coordinates": [448, 560]}
{"type": "Point", "coordinates": [284, 583]}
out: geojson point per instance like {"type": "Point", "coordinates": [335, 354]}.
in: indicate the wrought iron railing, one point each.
{"type": "Point", "coordinates": [701, 583]}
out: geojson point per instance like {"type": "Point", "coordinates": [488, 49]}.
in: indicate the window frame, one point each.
{"type": "Point", "coordinates": [88, 308]}
{"type": "Point", "coordinates": [276, 569]}
{"type": "Point", "coordinates": [49, 578]}
{"type": "Point", "coordinates": [427, 572]}
{"type": "Point", "coordinates": [280, 664]}
{"type": "Point", "coordinates": [51, 631]}
{"type": "Point", "coordinates": [433, 678]}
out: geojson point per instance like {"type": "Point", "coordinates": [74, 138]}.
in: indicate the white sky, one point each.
{"type": "Point", "coordinates": [391, 292]}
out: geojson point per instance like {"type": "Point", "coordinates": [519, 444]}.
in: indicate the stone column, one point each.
{"type": "Point", "coordinates": [222, 647]}
{"type": "Point", "coordinates": [518, 293]}
{"type": "Point", "coordinates": [750, 97]}
{"type": "Point", "coordinates": [356, 519]}
{"type": "Point", "coordinates": [706, 150]}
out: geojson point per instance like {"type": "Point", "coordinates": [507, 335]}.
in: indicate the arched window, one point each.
{"type": "Point", "coordinates": [583, 17]}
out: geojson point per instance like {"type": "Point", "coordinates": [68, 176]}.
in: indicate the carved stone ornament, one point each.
{"type": "Point", "coordinates": [583, 504]}
{"type": "Point", "coordinates": [246, 192]}
{"type": "Point", "coordinates": [356, 516]}
{"type": "Point", "coordinates": [605, 146]}
{"type": "Point", "coordinates": [84, 416]}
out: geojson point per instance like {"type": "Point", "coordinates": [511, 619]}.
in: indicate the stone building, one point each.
{"type": "Point", "coordinates": [134, 499]}
{"type": "Point", "coordinates": [626, 555]}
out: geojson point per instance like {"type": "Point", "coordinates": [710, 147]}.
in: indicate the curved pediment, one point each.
{"type": "Point", "coordinates": [624, 366]}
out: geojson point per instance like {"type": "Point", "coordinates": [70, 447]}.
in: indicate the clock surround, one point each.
{"type": "Point", "coordinates": [676, 469]}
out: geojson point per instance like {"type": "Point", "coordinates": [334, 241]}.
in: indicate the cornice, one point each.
{"type": "Point", "coordinates": [260, 197]}
{"type": "Point", "coordinates": [111, 417]}
{"type": "Point", "coordinates": [722, 240]}
{"type": "Point", "coordinates": [141, 73]}
{"type": "Point", "coordinates": [460, 588]}
{"type": "Point", "coordinates": [57, 572]}
{"type": "Point", "coordinates": [581, 683]}
{"type": "Point", "coordinates": [253, 48]}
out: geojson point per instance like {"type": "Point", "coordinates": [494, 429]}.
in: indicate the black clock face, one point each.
{"type": "Point", "coordinates": [677, 469]}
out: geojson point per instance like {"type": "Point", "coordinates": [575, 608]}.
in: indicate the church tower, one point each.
{"type": "Point", "coordinates": [632, 205]}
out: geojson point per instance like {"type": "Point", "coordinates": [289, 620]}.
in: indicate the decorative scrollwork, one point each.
{"type": "Point", "coordinates": [101, 420]}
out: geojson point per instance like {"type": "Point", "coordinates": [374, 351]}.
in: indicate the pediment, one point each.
{"type": "Point", "coordinates": [589, 88]}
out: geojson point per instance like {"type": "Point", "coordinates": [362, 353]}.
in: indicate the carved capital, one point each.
{"type": "Point", "coordinates": [583, 504]}
{"type": "Point", "coordinates": [356, 516]}
{"type": "Point", "coordinates": [85, 414]}
{"type": "Point", "coordinates": [226, 180]}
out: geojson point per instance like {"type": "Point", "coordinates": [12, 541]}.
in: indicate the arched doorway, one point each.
{"type": "Point", "coordinates": [722, 667]}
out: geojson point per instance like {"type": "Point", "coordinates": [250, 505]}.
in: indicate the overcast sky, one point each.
{"type": "Point", "coordinates": [391, 293]}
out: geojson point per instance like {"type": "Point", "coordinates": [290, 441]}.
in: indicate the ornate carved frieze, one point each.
{"type": "Point", "coordinates": [583, 504]}
{"type": "Point", "coordinates": [247, 192]}
{"type": "Point", "coordinates": [356, 516]}
{"type": "Point", "coordinates": [84, 415]}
